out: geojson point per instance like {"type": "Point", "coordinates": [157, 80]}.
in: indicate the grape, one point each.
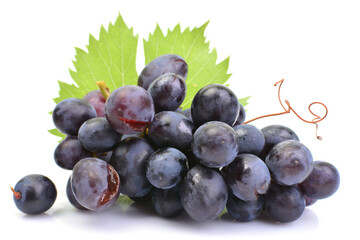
{"type": "Point", "coordinates": [129, 109]}
{"type": "Point", "coordinates": [284, 203]}
{"type": "Point", "coordinates": [71, 113]}
{"type": "Point", "coordinates": [34, 194]}
{"type": "Point", "coordinates": [167, 202]}
{"type": "Point", "coordinates": [215, 102]}
{"type": "Point", "coordinates": [323, 181]}
{"type": "Point", "coordinates": [95, 184]}
{"type": "Point", "coordinates": [309, 201]}
{"type": "Point", "coordinates": [241, 117]}
{"type": "Point", "coordinates": [71, 197]}
{"type": "Point", "coordinates": [97, 100]}
{"type": "Point", "coordinates": [248, 176]}
{"type": "Point", "coordinates": [289, 162]}
{"type": "Point", "coordinates": [203, 193]}
{"type": "Point", "coordinates": [97, 136]}
{"type": "Point", "coordinates": [129, 159]}
{"type": "Point", "coordinates": [275, 134]}
{"type": "Point", "coordinates": [215, 144]}
{"type": "Point", "coordinates": [106, 156]}
{"type": "Point", "coordinates": [168, 92]}
{"type": "Point", "coordinates": [244, 211]}
{"type": "Point", "coordinates": [69, 152]}
{"type": "Point", "coordinates": [250, 139]}
{"type": "Point", "coordinates": [166, 167]}
{"type": "Point", "coordinates": [168, 63]}
{"type": "Point", "coordinates": [171, 129]}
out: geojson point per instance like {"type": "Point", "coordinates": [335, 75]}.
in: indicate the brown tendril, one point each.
{"type": "Point", "coordinates": [289, 108]}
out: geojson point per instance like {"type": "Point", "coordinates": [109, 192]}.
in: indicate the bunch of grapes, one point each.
{"type": "Point", "coordinates": [138, 142]}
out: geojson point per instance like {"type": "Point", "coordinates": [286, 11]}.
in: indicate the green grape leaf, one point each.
{"type": "Point", "coordinates": [124, 202]}
{"type": "Point", "coordinates": [192, 46]}
{"type": "Point", "coordinates": [57, 133]}
{"type": "Point", "coordinates": [112, 59]}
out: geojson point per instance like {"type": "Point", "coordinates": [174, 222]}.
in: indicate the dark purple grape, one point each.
{"type": "Point", "coordinates": [247, 177]}
{"type": "Point", "coordinates": [167, 202]}
{"type": "Point", "coordinates": [284, 203]}
{"type": "Point", "coordinates": [34, 194]}
{"type": "Point", "coordinates": [69, 152]}
{"type": "Point", "coordinates": [71, 197]}
{"type": "Point", "coordinates": [97, 136]}
{"type": "Point", "coordinates": [166, 167]}
{"type": "Point", "coordinates": [143, 199]}
{"type": "Point", "coordinates": [97, 100]}
{"type": "Point", "coordinates": [129, 109]}
{"type": "Point", "coordinates": [168, 92]}
{"type": "Point", "coordinates": [71, 113]}
{"type": "Point", "coordinates": [275, 134]}
{"type": "Point", "coordinates": [168, 63]}
{"type": "Point", "coordinates": [323, 181]}
{"type": "Point", "coordinates": [106, 156]}
{"type": "Point", "coordinates": [244, 211]}
{"type": "Point", "coordinates": [289, 162]}
{"type": "Point", "coordinates": [215, 102]}
{"type": "Point", "coordinates": [241, 117]}
{"type": "Point", "coordinates": [309, 201]}
{"type": "Point", "coordinates": [215, 144]}
{"type": "Point", "coordinates": [95, 184]}
{"type": "Point", "coordinates": [203, 193]}
{"type": "Point", "coordinates": [171, 129]}
{"type": "Point", "coordinates": [129, 159]}
{"type": "Point", "coordinates": [250, 139]}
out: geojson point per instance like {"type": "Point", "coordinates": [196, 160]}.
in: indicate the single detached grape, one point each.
{"type": "Point", "coordinates": [97, 136]}
{"type": "Point", "coordinates": [168, 63]}
{"type": "Point", "coordinates": [215, 144]}
{"type": "Point", "coordinates": [34, 194]}
{"type": "Point", "coordinates": [289, 162]}
{"type": "Point", "coordinates": [323, 181]}
{"type": "Point", "coordinates": [284, 203]}
{"type": "Point", "coordinates": [166, 167]}
{"type": "Point", "coordinates": [203, 193]}
{"type": "Point", "coordinates": [250, 139]}
{"type": "Point", "coordinates": [168, 92]}
{"type": "Point", "coordinates": [97, 100]}
{"type": "Point", "coordinates": [71, 197]}
{"type": "Point", "coordinates": [275, 134]}
{"type": "Point", "coordinates": [69, 152]}
{"type": "Point", "coordinates": [215, 102]}
{"type": "Point", "coordinates": [95, 184]}
{"type": "Point", "coordinates": [167, 202]}
{"type": "Point", "coordinates": [171, 129]}
{"type": "Point", "coordinates": [248, 176]}
{"type": "Point", "coordinates": [129, 109]}
{"type": "Point", "coordinates": [71, 113]}
{"type": "Point", "coordinates": [241, 117]}
{"type": "Point", "coordinates": [129, 159]}
{"type": "Point", "coordinates": [244, 211]}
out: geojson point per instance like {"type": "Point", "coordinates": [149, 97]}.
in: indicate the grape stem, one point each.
{"type": "Point", "coordinates": [103, 89]}
{"type": "Point", "coordinates": [17, 195]}
{"type": "Point", "coordinates": [288, 109]}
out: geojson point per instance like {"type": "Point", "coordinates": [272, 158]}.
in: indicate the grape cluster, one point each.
{"type": "Point", "coordinates": [138, 142]}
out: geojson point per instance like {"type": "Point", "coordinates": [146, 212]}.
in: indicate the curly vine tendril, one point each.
{"type": "Point", "coordinates": [289, 109]}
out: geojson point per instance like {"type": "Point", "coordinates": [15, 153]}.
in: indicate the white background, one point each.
{"type": "Point", "coordinates": [313, 45]}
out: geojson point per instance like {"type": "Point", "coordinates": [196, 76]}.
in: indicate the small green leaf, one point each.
{"type": "Point", "coordinates": [57, 133]}
{"type": "Point", "coordinates": [192, 46]}
{"type": "Point", "coordinates": [124, 202]}
{"type": "Point", "coordinates": [244, 101]}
